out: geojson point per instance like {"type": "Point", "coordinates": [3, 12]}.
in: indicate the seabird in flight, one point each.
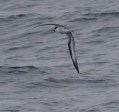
{"type": "Point", "coordinates": [71, 43]}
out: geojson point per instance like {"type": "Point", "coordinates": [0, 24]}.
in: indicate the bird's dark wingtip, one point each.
{"type": "Point", "coordinates": [78, 71]}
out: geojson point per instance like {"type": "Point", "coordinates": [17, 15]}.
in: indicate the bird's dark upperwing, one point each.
{"type": "Point", "coordinates": [71, 45]}
{"type": "Point", "coordinates": [51, 24]}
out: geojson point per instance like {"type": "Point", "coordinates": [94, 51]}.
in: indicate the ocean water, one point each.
{"type": "Point", "coordinates": [36, 72]}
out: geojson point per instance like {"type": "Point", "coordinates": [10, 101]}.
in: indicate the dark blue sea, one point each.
{"type": "Point", "coordinates": [36, 72]}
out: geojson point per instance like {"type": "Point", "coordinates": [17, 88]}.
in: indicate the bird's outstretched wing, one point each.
{"type": "Point", "coordinates": [71, 45]}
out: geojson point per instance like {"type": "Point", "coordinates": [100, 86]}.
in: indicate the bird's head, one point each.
{"type": "Point", "coordinates": [55, 28]}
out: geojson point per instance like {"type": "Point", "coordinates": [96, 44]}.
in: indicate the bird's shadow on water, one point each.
{"type": "Point", "coordinates": [9, 110]}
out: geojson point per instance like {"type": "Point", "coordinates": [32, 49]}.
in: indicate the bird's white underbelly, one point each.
{"type": "Point", "coordinates": [62, 30]}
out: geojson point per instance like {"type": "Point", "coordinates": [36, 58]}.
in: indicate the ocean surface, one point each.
{"type": "Point", "coordinates": [36, 72]}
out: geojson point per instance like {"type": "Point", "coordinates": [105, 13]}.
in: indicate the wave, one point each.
{"type": "Point", "coordinates": [29, 16]}
{"type": "Point", "coordinates": [102, 14]}
{"type": "Point", "coordinates": [109, 105]}
{"type": "Point", "coordinates": [108, 28]}
{"type": "Point", "coordinates": [17, 69]}
{"type": "Point", "coordinates": [91, 17]}
{"type": "Point", "coordinates": [13, 17]}
{"type": "Point", "coordinates": [85, 19]}
{"type": "Point", "coordinates": [74, 80]}
{"type": "Point", "coordinates": [21, 15]}
{"type": "Point", "coordinates": [59, 83]}
{"type": "Point", "coordinates": [14, 48]}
